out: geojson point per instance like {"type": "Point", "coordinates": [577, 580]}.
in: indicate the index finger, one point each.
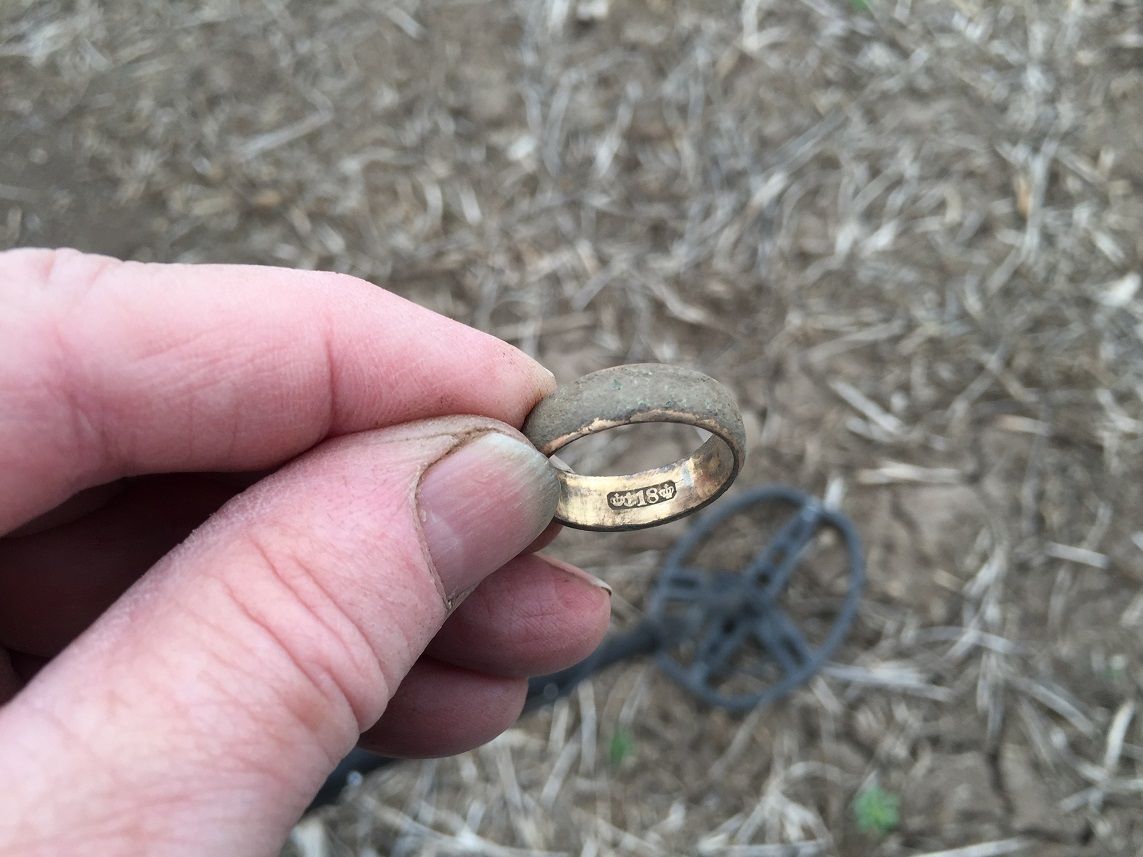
{"type": "Point", "coordinates": [112, 368]}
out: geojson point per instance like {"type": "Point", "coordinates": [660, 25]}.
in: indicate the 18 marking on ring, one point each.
{"type": "Point", "coordinates": [648, 496]}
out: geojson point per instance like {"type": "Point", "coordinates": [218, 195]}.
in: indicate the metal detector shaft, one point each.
{"type": "Point", "coordinates": [642, 640]}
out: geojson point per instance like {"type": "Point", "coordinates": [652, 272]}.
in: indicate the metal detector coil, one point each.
{"type": "Point", "coordinates": [710, 619]}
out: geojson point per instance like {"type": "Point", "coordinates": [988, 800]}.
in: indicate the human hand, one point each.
{"type": "Point", "coordinates": [201, 679]}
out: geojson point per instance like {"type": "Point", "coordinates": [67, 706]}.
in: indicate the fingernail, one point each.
{"type": "Point", "coordinates": [579, 574]}
{"type": "Point", "coordinates": [481, 505]}
{"type": "Point", "coordinates": [548, 374]}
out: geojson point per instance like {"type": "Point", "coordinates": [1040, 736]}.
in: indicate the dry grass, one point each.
{"type": "Point", "coordinates": [911, 230]}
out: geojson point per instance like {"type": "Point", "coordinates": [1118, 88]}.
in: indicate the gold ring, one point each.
{"type": "Point", "coordinates": [640, 393]}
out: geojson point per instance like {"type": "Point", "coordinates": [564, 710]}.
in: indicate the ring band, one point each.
{"type": "Point", "coordinates": [640, 393]}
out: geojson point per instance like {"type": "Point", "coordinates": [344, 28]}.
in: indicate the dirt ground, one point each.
{"type": "Point", "coordinates": [908, 234]}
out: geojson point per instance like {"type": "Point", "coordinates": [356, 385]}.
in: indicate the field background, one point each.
{"type": "Point", "coordinates": [908, 234]}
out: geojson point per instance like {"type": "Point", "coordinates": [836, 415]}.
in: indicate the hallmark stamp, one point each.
{"type": "Point", "coordinates": [648, 496]}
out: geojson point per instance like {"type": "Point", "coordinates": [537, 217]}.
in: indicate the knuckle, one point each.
{"type": "Point", "coordinates": [63, 268]}
{"type": "Point", "coordinates": [43, 303]}
{"type": "Point", "coordinates": [325, 661]}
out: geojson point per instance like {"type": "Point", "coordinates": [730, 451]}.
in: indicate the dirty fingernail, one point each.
{"type": "Point", "coordinates": [579, 574]}
{"type": "Point", "coordinates": [483, 504]}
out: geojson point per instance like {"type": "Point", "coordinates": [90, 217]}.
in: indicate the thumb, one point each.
{"type": "Point", "coordinates": [203, 710]}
